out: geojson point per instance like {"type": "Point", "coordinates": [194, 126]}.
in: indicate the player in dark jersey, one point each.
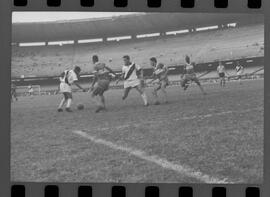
{"type": "Point", "coordinates": [160, 72]}
{"type": "Point", "coordinates": [189, 75]}
{"type": "Point", "coordinates": [101, 82]}
{"type": "Point", "coordinates": [239, 71]}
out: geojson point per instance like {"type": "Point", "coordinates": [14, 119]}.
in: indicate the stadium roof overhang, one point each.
{"type": "Point", "coordinates": [121, 26]}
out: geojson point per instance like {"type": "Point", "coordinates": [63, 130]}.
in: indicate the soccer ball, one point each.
{"type": "Point", "coordinates": [80, 107]}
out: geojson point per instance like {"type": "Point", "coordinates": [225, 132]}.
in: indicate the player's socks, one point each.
{"type": "Point", "coordinates": [69, 103]}
{"type": "Point", "coordinates": [61, 103]}
{"type": "Point", "coordinates": [144, 97]}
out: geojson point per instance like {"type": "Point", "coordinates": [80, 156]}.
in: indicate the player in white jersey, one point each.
{"type": "Point", "coordinates": [101, 82]}
{"type": "Point", "coordinates": [190, 75]}
{"type": "Point", "coordinates": [132, 75]}
{"type": "Point", "coordinates": [160, 72]}
{"type": "Point", "coordinates": [239, 71]}
{"type": "Point", "coordinates": [221, 73]}
{"type": "Point", "coordinates": [67, 79]}
{"type": "Point", "coordinates": [13, 92]}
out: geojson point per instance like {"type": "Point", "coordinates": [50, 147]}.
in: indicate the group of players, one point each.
{"type": "Point", "coordinates": [132, 75]}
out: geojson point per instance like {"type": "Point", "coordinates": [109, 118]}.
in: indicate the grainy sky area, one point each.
{"type": "Point", "coordinates": [21, 17]}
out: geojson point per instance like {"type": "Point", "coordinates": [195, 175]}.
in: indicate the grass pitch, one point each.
{"type": "Point", "coordinates": [219, 136]}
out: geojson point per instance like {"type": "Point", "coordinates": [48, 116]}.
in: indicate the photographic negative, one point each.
{"type": "Point", "coordinates": [137, 97]}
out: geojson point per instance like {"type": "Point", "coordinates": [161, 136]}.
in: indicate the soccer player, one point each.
{"type": "Point", "coordinates": [161, 73]}
{"type": "Point", "coordinates": [30, 90]}
{"type": "Point", "coordinates": [239, 71]}
{"type": "Point", "coordinates": [221, 73]}
{"type": "Point", "coordinates": [190, 75]}
{"type": "Point", "coordinates": [101, 82]}
{"type": "Point", "coordinates": [13, 92]}
{"type": "Point", "coordinates": [67, 79]}
{"type": "Point", "coordinates": [133, 76]}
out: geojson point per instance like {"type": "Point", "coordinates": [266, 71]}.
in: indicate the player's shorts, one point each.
{"type": "Point", "coordinates": [64, 87]}
{"type": "Point", "coordinates": [67, 95]}
{"type": "Point", "coordinates": [189, 77]}
{"type": "Point", "coordinates": [132, 83]}
{"type": "Point", "coordinates": [221, 75]}
{"type": "Point", "coordinates": [100, 87]}
{"type": "Point", "coordinates": [161, 83]}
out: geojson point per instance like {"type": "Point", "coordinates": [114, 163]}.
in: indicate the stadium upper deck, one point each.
{"type": "Point", "coordinates": [228, 43]}
{"type": "Point", "coordinates": [122, 25]}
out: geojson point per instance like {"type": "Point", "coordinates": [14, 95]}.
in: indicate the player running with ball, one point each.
{"type": "Point", "coordinates": [67, 79]}
{"type": "Point", "coordinates": [161, 73]}
{"type": "Point", "coordinates": [190, 75]}
{"type": "Point", "coordinates": [101, 82]}
{"type": "Point", "coordinates": [133, 76]}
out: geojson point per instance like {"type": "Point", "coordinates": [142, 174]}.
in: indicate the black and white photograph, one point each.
{"type": "Point", "coordinates": [134, 97]}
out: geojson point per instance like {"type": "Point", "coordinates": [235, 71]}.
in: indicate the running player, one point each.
{"type": "Point", "coordinates": [30, 90]}
{"type": "Point", "coordinates": [132, 75]}
{"type": "Point", "coordinates": [161, 73]}
{"type": "Point", "coordinates": [189, 75]}
{"type": "Point", "coordinates": [221, 73]}
{"type": "Point", "coordinates": [101, 82]}
{"type": "Point", "coordinates": [68, 78]}
{"type": "Point", "coordinates": [239, 71]}
{"type": "Point", "coordinates": [13, 92]}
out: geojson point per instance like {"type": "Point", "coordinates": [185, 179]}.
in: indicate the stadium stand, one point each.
{"type": "Point", "coordinates": [206, 46]}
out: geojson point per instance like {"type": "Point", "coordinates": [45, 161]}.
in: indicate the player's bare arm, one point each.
{"type": "Point", "coordinates": [79, 86]}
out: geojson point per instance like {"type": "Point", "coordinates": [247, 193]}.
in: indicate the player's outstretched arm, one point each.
{"type": "Point", "coordinates": [110, 70]}
{"type": "Point", "coordinates": [79, 86]}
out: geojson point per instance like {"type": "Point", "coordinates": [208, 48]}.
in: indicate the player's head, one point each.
{"type": "Point", "coordinates": [187, 58]}
{"type": "Point", "coordinates": [126, 60]}
{"type": "Point", "coordinates": [153, 61]}
{"type": "Point", "coordinates": [160, 66]}
{"type": "Point", "coordinates": [95, 59]}
{"type": "Point", "coordinates": [77, 70]}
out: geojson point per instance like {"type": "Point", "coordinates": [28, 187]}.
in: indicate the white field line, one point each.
{"type": "Point", "coordinates": [164, 163]}
{"type": "Point", "coordinates": [156, 121]}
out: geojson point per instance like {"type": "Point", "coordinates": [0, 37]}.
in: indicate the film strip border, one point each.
{"type": "Point", "coordinates": [122, 191]}
{"type": "Point", "coordinates": [252, 4]}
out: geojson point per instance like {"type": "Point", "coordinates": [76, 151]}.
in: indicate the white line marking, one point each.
{"type": "Point", "coordinates": [183, 170]}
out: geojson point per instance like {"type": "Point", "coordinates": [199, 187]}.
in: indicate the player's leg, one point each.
{"type": "Point", "coordinates": [196, 80]}
{"type": "Point", "coordinates": [239, 79]}
{"type": "Point", "coordinates": [143, 95]}
{"type": "Point", "coordinates": [157, 87]}
{"type": "Point", "coordinates": [63, 101]}
{"type": "Point", "coordinates": [163, 90]}
{"type": "Point", "coordinates": [69, 101]}
{"type": "Point", "coordinates": [96, 97]}
{"type": "Point", "coordinates": [126, 92]}
{"type": "Point", "coordinates": [224, 81]}
{"type": "Point", "coordinates": [184, 83]}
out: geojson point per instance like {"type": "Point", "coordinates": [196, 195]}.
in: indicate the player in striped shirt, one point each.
{"type": "Point", "coordinates": [132, 75]}
{"type": "Point", "coordinates": [190, 75]}
{"type": "Point", "coordinates": [102, 78]}
{"type": "Point", "coordinates": [239, 71]}
{"type": "Point", "coordinates": [67, 79]}
{"type": "Point", "coordinates": [160, 72]}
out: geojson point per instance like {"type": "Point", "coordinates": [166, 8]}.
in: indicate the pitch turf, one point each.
{"type": "Point", "coordinates": [192, 139]}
